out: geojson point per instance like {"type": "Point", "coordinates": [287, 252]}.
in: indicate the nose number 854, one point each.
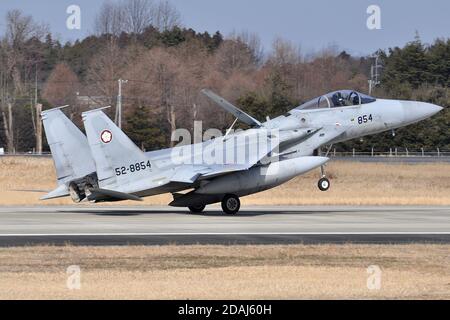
{"type": "Point", "coordinates": [365, 118]}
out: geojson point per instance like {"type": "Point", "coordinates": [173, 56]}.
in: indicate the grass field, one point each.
{"type": "Point", "coordinates": [353, 183]}
{"type": "Point", "coordinates": [240, 272]}
{"type": "Point", "coordinates": [227, 272]}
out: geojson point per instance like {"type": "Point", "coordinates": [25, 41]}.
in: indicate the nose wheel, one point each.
{"type": "Point", "coordinates": [324, 183]}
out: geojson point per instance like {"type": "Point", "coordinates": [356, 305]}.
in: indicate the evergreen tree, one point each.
{"type": "Point", "coordinates": [145, 129]}
{"type": "Point", "coordinates": [406, 68]}
{"type": "Point", "coordinates": [439, 62]}
{"type": "Point", "coordinates": [255, 105]}
{"type": "Point", "coordinates": [280, 101]}
{"type": "Point", "coordinates": [172, 37]}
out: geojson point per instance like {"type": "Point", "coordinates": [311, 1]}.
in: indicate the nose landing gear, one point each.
{"type": "Point", "coordinates": [324, 183]}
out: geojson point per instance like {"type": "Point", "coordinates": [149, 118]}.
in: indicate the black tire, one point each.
{"type": "Point", "coordinates": [75, 193]}
{"type": "Point", "coordinates": [231, 204]}
{"type": "Point", "coordinates": [197, 208]}
{"type": "Point", "coordinates": [324, 184]}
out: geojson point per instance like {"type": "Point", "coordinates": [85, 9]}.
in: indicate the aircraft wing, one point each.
{"type": "Point", "coordinates": [222, 156]}
{"type": "Point", "coordinates": [331, 134]}
{"type": "Point", "coordinates": [322, 136]}
{"type": "Point", "coordinates": [238, 113]}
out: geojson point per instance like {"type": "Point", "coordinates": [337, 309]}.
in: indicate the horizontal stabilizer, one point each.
{"type": "Point", "coordinates": [238, 113]}
{"type": "Point", "coordinates": [31, 190]}
{"type": "Point", "coordinates": [59, 192]}
{"type": "Point", "coordinates": [110, 195]}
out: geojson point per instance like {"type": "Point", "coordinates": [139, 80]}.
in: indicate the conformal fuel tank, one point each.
{"type": "Point", "coordinates": [261, 177]}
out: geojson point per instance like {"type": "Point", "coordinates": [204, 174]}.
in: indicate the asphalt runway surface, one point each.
{"type": "Point", "coordinates": [100, 225]}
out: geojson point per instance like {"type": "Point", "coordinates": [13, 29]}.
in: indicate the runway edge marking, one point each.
{"type": "Point", "coordinates": [221, 234]}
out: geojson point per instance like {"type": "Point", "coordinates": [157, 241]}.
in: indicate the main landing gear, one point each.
{"type": "Point", "coordinates": [197, 208]}
{"type": "Point", "coordinates": [324, 183]}
{"type": "Point", "coordinates": [231, 204]}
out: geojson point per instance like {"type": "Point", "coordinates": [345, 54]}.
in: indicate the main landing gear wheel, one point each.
{"type": "Point", "coordinates": [197, 209]}
{"type": "Point", "coordinates": [75, 193]}
{"type": "Point", "coordinates": [324, 184]}
{"type": "Point", "coordinates": [231, 204]}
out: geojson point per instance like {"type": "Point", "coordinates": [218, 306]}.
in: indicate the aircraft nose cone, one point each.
{"type": "Point", "coordinates": [431, 109]}
{"type": "Point", "coordinates": [416, 111]}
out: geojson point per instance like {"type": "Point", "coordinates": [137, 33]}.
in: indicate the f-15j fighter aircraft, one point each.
{"type": "Point", "coordinates": [105, 165]}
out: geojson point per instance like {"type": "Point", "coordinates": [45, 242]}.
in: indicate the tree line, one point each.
{"type": "Point", "coordinates": [167, 64]}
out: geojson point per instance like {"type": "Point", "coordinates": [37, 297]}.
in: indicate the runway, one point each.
{"type": "Point", "coordinates": [101, 225]}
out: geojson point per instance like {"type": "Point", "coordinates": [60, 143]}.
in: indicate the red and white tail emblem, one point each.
{"type": "Point", "coordinates": [106, 136]}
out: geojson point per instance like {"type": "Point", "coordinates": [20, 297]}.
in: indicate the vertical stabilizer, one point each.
{"type": "Point", "coordinates": [118, 160]}
{"type": "Point", "coordinates": [68, 145]}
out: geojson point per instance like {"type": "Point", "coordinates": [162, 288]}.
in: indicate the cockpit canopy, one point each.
{"type": "Point", "coordinates": [341, 98]}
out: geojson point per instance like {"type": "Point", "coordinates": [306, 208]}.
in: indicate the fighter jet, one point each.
{"type": "Point", "coordinates": [105, 165]}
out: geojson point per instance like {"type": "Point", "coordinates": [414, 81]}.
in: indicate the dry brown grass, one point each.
{"type": "Point", "coordinates": [353, 183]}
{"type": "Point", "coordinates": [226, 272]}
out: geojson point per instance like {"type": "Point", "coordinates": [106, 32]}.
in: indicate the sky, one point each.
{"type": "Point", "coordinates": [313, 25]}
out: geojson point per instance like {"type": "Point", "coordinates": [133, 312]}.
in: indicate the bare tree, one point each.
{"type": "Point", "coordinates": [104, 70]}
{"type": "Point", "coordinates": [17, 53]}
{"type": "Point", "coordinates": [8, 122]}
{"type": "Point", "coordinates": [19, 29]}
{"type": "Point", "coordinates": [156, 81]}
{"type": "Point", "coordinates": [234, 55]}
{"type": "Point", "coordinates": [165, 71]}
{"type": "Point", "coordinates": [37, 126]}
{"type": "Point", "coordinates": [61, 86]}
{"type": "Point", "coordinates": [285, 52]}
{"type": "Point", "coordinates": [110, 19]}
{"type": "Point", "coordinates": [138, 15]}
{"type": "Point", "coordinates": [253, 43]}
{"type": "Point", "coordinates": [166, 16]}
{"type": "Point", "coordinates": [6, 108]}
{"type": "Point", "coordinates": [133, 16]}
